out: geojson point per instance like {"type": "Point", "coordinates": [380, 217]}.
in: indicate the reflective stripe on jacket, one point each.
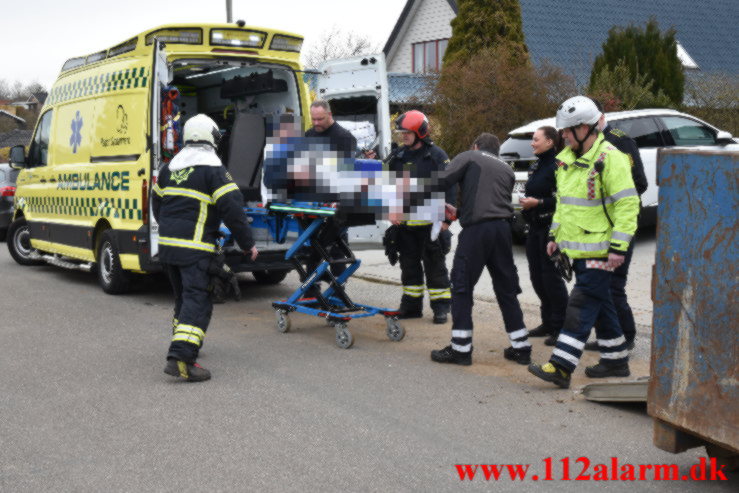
{"type": "Point", "coordinates": [189, 205]}
{"type": "Point", "coordinates": [580, 226]}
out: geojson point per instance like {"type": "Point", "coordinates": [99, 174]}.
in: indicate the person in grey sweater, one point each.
{"type": "Point", "coordinates": [485, 187]}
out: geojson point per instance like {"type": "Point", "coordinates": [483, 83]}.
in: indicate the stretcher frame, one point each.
{"type": "Point", "coordinates": [333, 304]}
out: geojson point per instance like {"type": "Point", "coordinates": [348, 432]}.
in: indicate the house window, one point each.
{"type": "Point", "coordinates": [427, 56]}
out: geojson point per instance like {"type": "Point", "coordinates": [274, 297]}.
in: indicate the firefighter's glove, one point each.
{"type": "Point", "coordinates": [562, 264]}
{"type": "Point", "coordinates": [445, 241]}
{"type": "Point", "coordinates": [390, 242]}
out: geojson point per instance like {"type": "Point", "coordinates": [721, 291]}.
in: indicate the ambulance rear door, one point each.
{"type": "Point", "coordinates": [350, 85]}
{"type": "Point", "coordinates": [357, 89]}
{"type": "Point", "coordinates": [161, 75]}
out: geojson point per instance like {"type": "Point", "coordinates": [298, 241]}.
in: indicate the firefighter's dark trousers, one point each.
{"type": "Point", "coordinates": [192, 310]}
{"type": "Point", "coordinates": [486, 244]}
{"type": "Point", "coordinates": [618, 294]}
{"type": "Point", "coordinates": [418, 256]}
{"type": "Point", "coordinates": [590, 300]}
{"type": "Point", "coordinates": [548, 284]}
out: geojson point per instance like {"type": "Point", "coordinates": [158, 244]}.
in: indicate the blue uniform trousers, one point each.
{"type": "Point", "coordinates": [618, 294]}
{"type": "Point", "coordinates": [589, 300]}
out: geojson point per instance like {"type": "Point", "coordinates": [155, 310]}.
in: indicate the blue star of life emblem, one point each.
{"type": "Point", "coordinates": [76, 139]}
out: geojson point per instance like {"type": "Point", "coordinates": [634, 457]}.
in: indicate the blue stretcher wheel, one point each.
{"type": "Point", "coordinates": [395, 332]}
{"type": "Point", "coordinates": [344, 338]}
{"type": "Point", "coordinates": [283, 321]}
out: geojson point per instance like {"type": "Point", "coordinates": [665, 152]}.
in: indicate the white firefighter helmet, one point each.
{"type": "Point", "coordinates": [577, 111]}
{"type": "Point", "coordinates": [201, 129]}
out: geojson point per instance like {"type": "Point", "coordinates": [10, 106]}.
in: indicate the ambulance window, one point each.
{"type": "Point", "coordinates": [38, 155]}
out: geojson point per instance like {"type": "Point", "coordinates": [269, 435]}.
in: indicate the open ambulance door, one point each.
{"type": "Point", "coordinates": [357, 89]}
{"type": "Point", "coordinates": [161, 75]}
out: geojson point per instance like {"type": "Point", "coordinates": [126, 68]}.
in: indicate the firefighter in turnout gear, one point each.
{"type": "Point", "coordinates": [419, 253]}
{"type": "Point", "coordinates": [593, 224]}
{"type": "Point", "coordinates": [191, 197]}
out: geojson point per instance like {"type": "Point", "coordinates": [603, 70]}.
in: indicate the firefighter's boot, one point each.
{"type": "Point", "coordinates": [192, 372]}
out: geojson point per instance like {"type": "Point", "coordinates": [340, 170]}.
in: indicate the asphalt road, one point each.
{"type": "Point", "coordinates": [84, 405]}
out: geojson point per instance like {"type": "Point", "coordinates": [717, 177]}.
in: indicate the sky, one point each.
{"type": "Point", "coordinates": [38, 36]}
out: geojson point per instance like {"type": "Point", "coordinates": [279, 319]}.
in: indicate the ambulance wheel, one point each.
{"type": "Point", "coordinates": [344, 338]}
{"type": "Point", "coordinates": [111, 276]}
{"type": "Point", "coordinates": [283, 321]}
{"type": "Point", "coordinates": [19, 244]}
{"type": "Point", "coordinates": [395, 331]}
{"type": "Point", "coordinates": [269, 276]}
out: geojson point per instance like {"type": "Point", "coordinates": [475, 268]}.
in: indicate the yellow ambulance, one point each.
{"type": "Point", "coordinates": [112, 119]}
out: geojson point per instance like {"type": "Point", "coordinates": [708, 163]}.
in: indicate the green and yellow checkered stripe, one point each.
{"type": "Point", "coordinates": [117, 208]}
{"type": "Point", "coordinates": [130, 78]}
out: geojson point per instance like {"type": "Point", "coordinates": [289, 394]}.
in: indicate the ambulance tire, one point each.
{"type": "Point", "coordinates": [19, 244]}
{"type": "Point", "coordinates": [270, 276]}
{"type": "Point", "coordinates": [111, 276]}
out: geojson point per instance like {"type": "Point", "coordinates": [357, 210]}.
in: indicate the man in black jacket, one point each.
{"type": "Point", "coordinates": [324, 125]}
{"type": "Point", "coordinates": [628, 146]}
{"type": "Point", "coordinates": [486, 186]}
{"type": "Point", "coordinates": [191, 197]}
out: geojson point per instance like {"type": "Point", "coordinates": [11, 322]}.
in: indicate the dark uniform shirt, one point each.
{"type": "Point", "coordinates": [340, 139]}
{"type": "Point", "coordinates": [628, 146]}
{"type": "Point", "coordinates": [486, 185]}
{"type": "Point", "coordinates": [542, 185]}
{"type": "Point", "coordinates": [189, 205]}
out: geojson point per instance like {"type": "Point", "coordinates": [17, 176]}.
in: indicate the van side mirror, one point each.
{"type": "Point", "coordinates": [17, 157]}
{"type": "Point", "coordinates": [724, 137]}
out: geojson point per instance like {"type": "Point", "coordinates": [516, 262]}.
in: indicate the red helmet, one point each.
{"type": "Point", "coordinates": [414, 121]}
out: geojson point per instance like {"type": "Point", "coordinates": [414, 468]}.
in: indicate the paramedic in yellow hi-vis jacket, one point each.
{"type": "Point", "coordinates": [593, 224]}
{"type": "Point", "coordinates": [192, 195]}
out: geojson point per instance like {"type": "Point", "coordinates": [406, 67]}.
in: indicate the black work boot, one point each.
{"type": "Point", "coordinates": [521, 356]}
{"type": "Point", "coordinates": [449, 355]}
{"type": "Point", "coordinates": [441, 314]}
{"type": "Point", "coordinates": [540, 331]}
{"type": "Point", "coordinates": [551, 373]}
{"type": "Point", "coordinates": [605, 370]}
{"type": "Point", "coordinates": [190, 372]}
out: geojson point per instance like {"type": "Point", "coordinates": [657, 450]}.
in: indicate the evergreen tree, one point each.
{"type": "Point", "coordinates": [648, 54]}
{"type": "Point", "coordinates": [484, 24]}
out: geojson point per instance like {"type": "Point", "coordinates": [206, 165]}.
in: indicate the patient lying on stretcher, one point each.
{"type": "Point", "coordinates": [306, 169]}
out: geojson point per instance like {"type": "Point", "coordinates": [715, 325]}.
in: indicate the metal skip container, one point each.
{"type": "Point", "coordinates": [694, 384]}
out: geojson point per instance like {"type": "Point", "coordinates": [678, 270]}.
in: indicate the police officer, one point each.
{"type": "Point", "coordinates": [628, 146]}
{"type": "Point", "coordinates": [593, 224]}
{"type": "Point", "coordinates": [193, 193]}
{"type": "Point", "coordinates": [486, 185]}
{"type": "Point", "coordinates": [418, 253]}
{"type": "Point", "coordinates": [538, 208]}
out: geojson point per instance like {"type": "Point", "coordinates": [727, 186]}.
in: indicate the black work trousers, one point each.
{"type": "Point", "coordinates": [192, 310]}
{"type": "Point", "coordinates": [548, 284]}
{"type": "Point", "coordinates": [486, 244]}
{"type": "Point", "coordinates": [618, 295]}
{"type": "Point", "coordinates": [420, 257]}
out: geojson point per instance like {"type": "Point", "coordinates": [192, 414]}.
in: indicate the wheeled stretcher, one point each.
{"type": "Point", "coordinates": [322, 228]}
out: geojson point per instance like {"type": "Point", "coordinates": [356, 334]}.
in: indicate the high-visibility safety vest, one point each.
{"type": "Point", "coordinates": [580, 226]}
